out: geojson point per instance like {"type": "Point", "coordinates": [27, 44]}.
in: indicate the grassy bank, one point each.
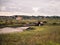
{"type": "Point", "coordinates": [43, 35]}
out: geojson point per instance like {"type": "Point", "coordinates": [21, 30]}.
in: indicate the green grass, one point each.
{"type": "Point", "coordinates": [43, 35]}
{"type": "Point", "coordinates": [25, 22]}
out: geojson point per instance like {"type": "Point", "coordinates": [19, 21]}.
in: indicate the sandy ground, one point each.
{"type": "Point", "coordinates": [10, 30]}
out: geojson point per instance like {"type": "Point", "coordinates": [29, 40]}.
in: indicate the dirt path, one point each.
{"type": "Point", "coordinates": [10, 30]}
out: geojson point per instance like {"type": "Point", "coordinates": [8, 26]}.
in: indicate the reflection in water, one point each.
{"type": "Point", "coordinates": [9, 29]}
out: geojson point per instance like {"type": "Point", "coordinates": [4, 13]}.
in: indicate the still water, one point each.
{"type": "Point", "coordinates": [10, 30]}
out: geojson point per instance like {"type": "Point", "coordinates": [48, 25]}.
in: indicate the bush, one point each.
{"type": "Point", "coordinates": [44, 21]}
{"type": "Point", "coordinates": [54, 23]}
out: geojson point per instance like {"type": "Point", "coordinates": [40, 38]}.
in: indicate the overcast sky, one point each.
{"type": "Point", "coordinates": [30, 7]}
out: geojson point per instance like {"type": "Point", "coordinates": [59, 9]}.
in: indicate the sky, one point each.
{"type": "Point", "coordinates": [30, 7]}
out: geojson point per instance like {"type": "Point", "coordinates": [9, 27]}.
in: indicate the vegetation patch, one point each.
{"type": "Point", "coordinates": [40, 35]}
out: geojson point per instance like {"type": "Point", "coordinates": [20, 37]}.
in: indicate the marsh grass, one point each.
{"type": "Point", "coordinates": [43, 35]}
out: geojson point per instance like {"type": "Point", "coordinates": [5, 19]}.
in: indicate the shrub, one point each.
{"type": "Point", "coordinates": [54, 23]}
{"type": "Point", "coordinates": [44, 21]}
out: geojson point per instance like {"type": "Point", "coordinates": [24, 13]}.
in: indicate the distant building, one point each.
{"type": "Point", "coordinates": [19, 18]}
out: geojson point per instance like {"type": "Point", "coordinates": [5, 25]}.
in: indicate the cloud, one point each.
{"type": "Point", "coordinates": [3, 8]}
{"type": "Point", "coordinates": [47, 7]}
